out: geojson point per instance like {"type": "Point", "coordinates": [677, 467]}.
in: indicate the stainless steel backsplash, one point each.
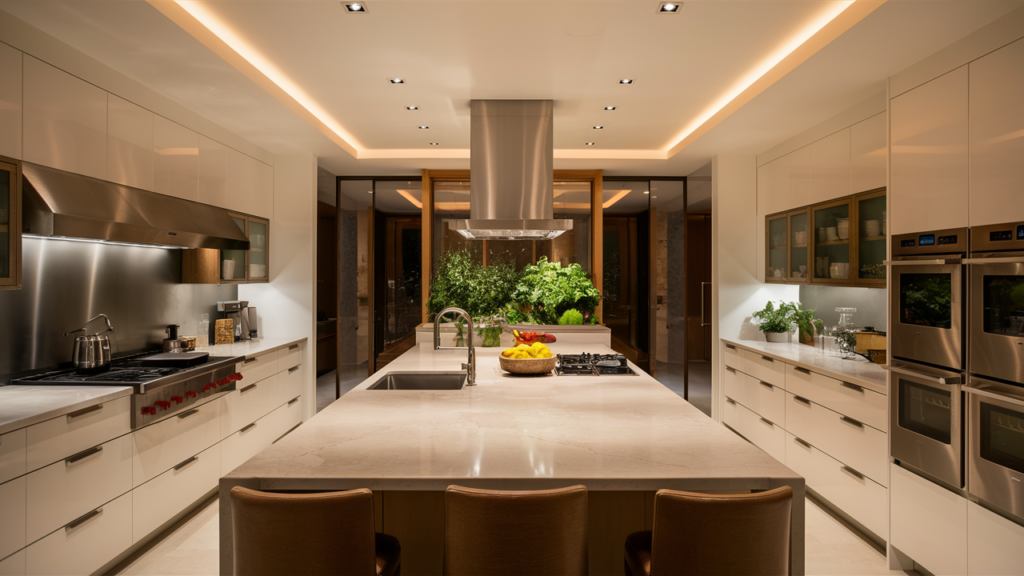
{"type": "Point", "coordinates": [66, 283]}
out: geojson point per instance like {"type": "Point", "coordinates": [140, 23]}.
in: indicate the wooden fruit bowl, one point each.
{"type": "Point", "coordinates": [527, 365]}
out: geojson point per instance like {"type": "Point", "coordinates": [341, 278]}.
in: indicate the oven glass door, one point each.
{"type": "Point", "coordinates": [926, 410]}
{"type": "Point", "coordinates": [926, 421]}
{"type": "Point", "coordinates": [997, 444]}
{"type": "Point", "coordinates": [1002, 436]}
{"type": "Point", "coordinates": [927, 313]}
{"type": "Point", "coordinates": [997, 320]}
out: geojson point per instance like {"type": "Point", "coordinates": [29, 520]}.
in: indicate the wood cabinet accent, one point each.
{"type": "Point", "coordinates": [822, 235]}
{"type": "Point", "coordinates": [206, 265]}
{"type": "Point", "coordinates": [10, 224]}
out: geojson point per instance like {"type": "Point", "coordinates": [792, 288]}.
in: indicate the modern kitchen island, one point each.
{"type": "Point", "coordinates": [623, 437]}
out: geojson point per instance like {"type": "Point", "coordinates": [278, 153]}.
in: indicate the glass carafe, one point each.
{"type": "Point", "coordinates": [846, 342]}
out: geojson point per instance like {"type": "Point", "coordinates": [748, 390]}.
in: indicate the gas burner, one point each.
{"type": "Point", "coordinates": [587, 364]}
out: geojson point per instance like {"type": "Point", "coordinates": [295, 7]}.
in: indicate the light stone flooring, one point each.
{"type": "Point", "coordinates": [191, 547]}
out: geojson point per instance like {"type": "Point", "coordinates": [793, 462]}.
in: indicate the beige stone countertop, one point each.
{"type": "Point", "coordinates": [853, 370]}
{"type": "Point", "coordinates": [250, 348]}
{"type": "Point", "coordinates": [507, 432]}
{"type": "Point", "coordinates": [22, 406]}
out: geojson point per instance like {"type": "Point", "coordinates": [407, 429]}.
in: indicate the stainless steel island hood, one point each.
{"type": "Point", "coordinates": [61, 204]}
{"type": "Point", "coordinates": [511, 178]}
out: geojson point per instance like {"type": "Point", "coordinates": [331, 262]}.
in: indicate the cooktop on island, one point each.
{"type": "Point", "coordinates": [586, 364]}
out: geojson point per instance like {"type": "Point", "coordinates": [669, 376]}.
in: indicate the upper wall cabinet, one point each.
{"type": "Point", "coordinates": [929, 162]}
{"type": "Point", "coordinates": [10, 223]}
{"type": "Point", "coordinates": [176, 166]}
{"type": "Point", "coordinates": [868, 154]}
{"type": "Point", "coordinates": [997, 136]}
{"type": "Point", "coordinates": [129, 143]}
{"type": "Point", "coordinates": [830, 167]}
{"type": "Point", "coordinates": [213, 159]}
{"type": "Point", "coordinates": [10, 102]}
{"type": "Point", "coordinates": [210, 266]}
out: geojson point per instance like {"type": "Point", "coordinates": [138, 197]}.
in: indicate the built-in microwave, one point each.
{"type": "Point", "coordinates": [996, 445]}
{"type": "Point", "coordinates": [996, 331]}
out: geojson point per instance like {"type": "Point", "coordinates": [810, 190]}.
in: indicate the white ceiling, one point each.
{"type": "Point", "coordinates": [450, 52]}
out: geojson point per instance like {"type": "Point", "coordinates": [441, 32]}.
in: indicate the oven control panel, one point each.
{"type": "Point", "coordinates": [998, 238]}
{"type": "Point", "coordinates": [937, 242]}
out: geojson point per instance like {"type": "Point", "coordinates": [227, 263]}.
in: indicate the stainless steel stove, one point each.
{"type": "Point", "coordinates": [159, 391]}
{"type": "Point", "coordinates": [586, 364]}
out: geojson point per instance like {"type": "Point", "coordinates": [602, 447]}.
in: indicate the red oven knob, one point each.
{"type": "Point", "coordinates": [190, 394]}
{"type": "Point", "coordinates": [177, 399]}
{"type": "Point", "coordinates": [236, 376]}
{"type": "Point", "coordinates": [148, 410]}
{"type": "Point", "coordinates": [206, 387]}
{"type": "Point", "coordinates": [163, 404]}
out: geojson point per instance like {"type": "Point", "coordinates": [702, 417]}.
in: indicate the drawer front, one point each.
{"type": "Point", "coordinates": [13, 565]}
{"type": "Point", "coordinates": [851, 442]}
{"type": "Point", "coordinates": [12, 516]}
{"type": "Point", "coordinates": [860, 497]}
{"type": "Point", "coordinates": [290, 357]}
{"type": "Point", "coordinates": [857, 402]}
{"type": "Point", "coordinates": [733, 357]}
{"type": "Point", "coordinates": [761, 432]}
{"type": "Point", "coordinates": [250, 402]}
{"type": "Point", "coordinates": [84, 547]}
{"type": "Point", "coordinates": [13, 449]}
{"type": "Point", "coordinates": [291, 416]}
{"type": "Point", "coordinates": [160, 499]}
{"type": "Point", "coordinates": [929, 523]}
{"type": "Point", "coordinates": [995, 546]}
{"type": "Point", "coordinates": [251, 440]}
{"type": "Point", "coordinates": [159, 447]}
{"type": "Point", "coordinates": [70, 488]}
{"type": "Point", "coordinates": [258, 368]}
{"type": "Point", "coordinates": [289, 384]}
{"type": "Point", "coordinates": [60, 437]}
{"type": "Point", "coordinates": [763, 398]}
{"type": "Point", "coordinates": [765, 368]}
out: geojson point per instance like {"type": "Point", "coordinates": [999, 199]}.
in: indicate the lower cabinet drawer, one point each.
{"type": "Point", "coordinates": [765, 368]}
{"type": "Point", "coordinates": [763, 433]}
{"type": "Point", "coordinates": [253, 439]}
{"type": "Point", "coordinates": [762, 398]}
{"type": "Point", "coordinates": [85, 544]}
{"type": "Point", "coordinates": [732, 357]}
{"type": "Point", "coordinates": [63, 436]}
{"type": "Point", "coordinates": [289, 384]}
{"type": "Point", "coordinates": [854, 443]}
{"type": "Point", "coordinates": [12, 516]}
{"type": "Point", "coordinates": [13, 565]}
{"type": "Point", "coordinates": [250, 402]}
{"type": "Point", "coordinates": [12, 455]}
{"type": "Point", "coordinates": [929, 523]}
{"type": "Point", "coordinates": [160, 499]}
{"type": "Point", "coordinates": [258, 368]}
{"type": "Point", "coordinates": [855, 401]}
{"type": "Point", "coordinates": [72, 487]}
{"type": "Point", "coordinates": [855, 494]}
{"type": "Point", "coordinates": [290, 357]}
{"type": "Point", "coordinates": [995, 546]}
{"type": "Point", "coordinates": [290, 417]}
{"type": "Point", "coordinates": [158, 447]}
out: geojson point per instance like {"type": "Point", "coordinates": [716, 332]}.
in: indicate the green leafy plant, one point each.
{"type": "Point", "coordinates": [479, 290]}
{"type": "Point", "coordinates": [547, 290]}
{"type": "Point", "coordinates": [774, 319]}
{"type": "Point", "coordinates": [806, 323]}
{"type": "Point", "coordinates": [571, 318]}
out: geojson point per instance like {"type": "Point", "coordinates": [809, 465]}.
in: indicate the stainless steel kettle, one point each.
{"type": "Point", "coordinates": [92, 351]}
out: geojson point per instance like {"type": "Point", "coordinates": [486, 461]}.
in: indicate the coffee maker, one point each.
{"type": "Point", "coordinates": [243, 317]}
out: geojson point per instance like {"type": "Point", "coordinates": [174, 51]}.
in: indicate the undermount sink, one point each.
{"type": "Point", "coordinates": [421, 381]}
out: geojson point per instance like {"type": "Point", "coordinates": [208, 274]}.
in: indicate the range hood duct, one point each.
{"type": "Point", "coordinates": [511, 191]}
{"type": "Point", "coordinates": [61, 204]}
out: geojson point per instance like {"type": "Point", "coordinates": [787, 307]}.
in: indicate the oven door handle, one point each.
{"type": "Point", "coordinates": [994, 396]}
{"type": "Point", "coordinates": [982, 261]}
{"type": "Point", "coordinates": [951, 381]}
{"type": "Point", "coordinates": [937, 262]}
{"type": "Point", "coordinates": [999, 391]}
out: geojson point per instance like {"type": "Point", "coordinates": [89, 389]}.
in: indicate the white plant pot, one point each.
{"type": "Point", "coordinates": [778, 336]}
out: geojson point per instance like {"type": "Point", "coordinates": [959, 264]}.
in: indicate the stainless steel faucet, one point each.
{"type": "Point", "coordinates": [470, 366]}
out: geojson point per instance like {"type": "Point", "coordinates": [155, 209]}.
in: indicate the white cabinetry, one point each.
{"type": "Point", "coordinates": [12, 516]}
{"type": "Point", "coordinates": [868, 154]}
{"type": "Point", "coordinates": [10, 104]}
{"type": "Point", "coordinates": [86, 544]}
{"type": "Point", "coordinates": [13, 565]}
{"type": "Point", "coordinates": [928, 522]}
{"type": "Point", "coordinates": [161, 446]}
{"type": "Point", "coordinates": [129, 143]}
{"type": "Point", "coordinates": [997, 136]}
{"type": "Point", "coordinates": [160, 499]}
{"type": "Point", "coordinates": [929, 163]}
{"type": "Point", "coordinates": [176, 164]}
{"type": "Point", "coordinates": [12, 454]}
{"type": "Point", "coordinates": [830, 167]}
{"type": "Point", "coordinates": [65, 120]}
{"type": "Point", "coordinates": [213, 158]}
{"type": "Point", "coordinates": [995, 546]}
{"type": "Point", "coordinates": [63, 436]}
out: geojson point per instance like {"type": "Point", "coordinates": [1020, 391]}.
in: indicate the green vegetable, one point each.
{"type": "Point", "coordinates": [571, 318]}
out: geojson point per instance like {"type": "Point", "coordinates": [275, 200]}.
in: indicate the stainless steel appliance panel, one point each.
{"type": "Point", "coordinates": [926, 311]}
{"type": "Point", "coordinates": [996, 446]}
{"type": "Point", "coordinates": [925, 421]}
{"type": "Point", "coordinates": [997, 315]}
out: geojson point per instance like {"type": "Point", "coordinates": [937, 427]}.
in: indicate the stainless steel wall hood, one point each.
{"type": "Point", "coordinates": [512, 166]}
{"type": "Point", "coordinates": [63, 204]}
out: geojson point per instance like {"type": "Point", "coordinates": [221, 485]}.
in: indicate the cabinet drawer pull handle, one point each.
{"type": "Point", "coordinates": [768, 422]}
{"type": "Point", "coordinates": [766, 384]}
{"type": "Point", "coordinates": [184, 415]}
{"type": "Point", "coordinates": [293, 369]}
{"type": "Point", "coordinates": [849, 420]}
{"type": "Point", "coordinates": [247, 388]}
{"type": "Point", "coordinates": [801, 442]}
{"type": "Point", "coordinates": [802, 370]}
{"type": "Point", "coordinates": [186, 463]}
{"type": "Point", "coordinates": [852, 386]}
{"type": "Point", "coordinates": [83, 519]}
{"type": "Point", "coordinates": [244, 428]}
{"type": "Point", "coordinates": [293, 400]}
{"type": "Point", "coordinates": [293, 347]}
{"type": "Point", "coordinates": [83, 454]}
{"type": "Point", "coordinates": [846, 468]}
{"type": "Point", "coordinates": [730, 369]}
{"type": "Point", "coordinates": [730, 347]}
{"type": "Point", "coordinates": [84, 411]}
{"type": "Point", "coordinates": [250, 360]}
{"type": "Point", "coordinates": [730, 400]}
{"type": "Point", "coordinates": [802, 399]}
{"type": "Point", "coordinates": [767, 358]}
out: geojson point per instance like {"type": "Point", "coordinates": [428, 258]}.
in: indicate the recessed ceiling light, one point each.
{"type": "Point", "coordinates": [647, 191]}
{"type": "Point", "coordinates": [356, 7]}
{"type": "Point", "coordinates": [609, 107]}
{"type": "Point", "coordinates": [396, 80]}
{"type": "Point", "coordinates": [590, 143]}
{"type": "Point", "coordinates": [669, 7]}
{"type": "Point", "coordinates": [412, 107]}
{"type": "Point", "coordinates": [433, 143]}
{"type": "Point", "coordinates": [626, 81]}
{"type": "Point", "coordinates": [424, 127]}
{"type": "Point", "coordinates": [598, 127]}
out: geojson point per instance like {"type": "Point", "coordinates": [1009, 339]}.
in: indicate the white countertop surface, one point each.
{"type": "Point", "coordinates": [22, 406]}
{"type": "Point", "coordinates": [608, 432]}
{"type": "Point", "coordinates": [853, 370]}
{"type": "Point", "coordinates": [251, 348]}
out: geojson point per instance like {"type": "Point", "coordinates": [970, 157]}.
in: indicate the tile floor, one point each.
{"type": "Point", "coordinates": [190, 548]}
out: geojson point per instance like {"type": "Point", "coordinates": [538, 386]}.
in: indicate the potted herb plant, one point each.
{"type": "Point", "coordinates": [807, 324]}
{"type": "Point", "coordinates": [776, 322]}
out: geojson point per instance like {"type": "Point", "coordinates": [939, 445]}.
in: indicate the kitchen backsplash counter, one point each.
{"type": "Point", "coordinates": [22, 406]}
{"type": "Point", "coordinates": [853, 370]}
{"type": "Point", "coordinates": [251, 348]}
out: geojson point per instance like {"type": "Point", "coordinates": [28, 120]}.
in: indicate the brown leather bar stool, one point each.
{"type": "Point", "coordinates": [323, 534]}
{"type": "Point", "coordinates": [711, 534]}
{"type": "Point", "coordinates": [494, 533]}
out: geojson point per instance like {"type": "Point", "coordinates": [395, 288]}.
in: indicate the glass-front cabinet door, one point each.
{"type": "Point", "coordinates": [871, 243]}
{"type": "Point", "coordinates": [10, 225]}
{"type": "Point", "coordinates": [233, 262]}
{"type": "Point", "coordinates": [833, 257]}
{"type": "Point", "coordinates": [258, 261]}
{"type": "Point", "coordinates": [777, 259]}
{"type": "Point", "coordinates": [799, 246]}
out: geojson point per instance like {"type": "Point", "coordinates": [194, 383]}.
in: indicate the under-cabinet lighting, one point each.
{"type": "Point", "coordinates": [104, 242]}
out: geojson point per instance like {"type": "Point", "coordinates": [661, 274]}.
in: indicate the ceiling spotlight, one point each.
{"type": "Point", "coordinates": [433, 143]}
{"type": "Point", "coordinates": [598, 127]}
{"type": "Point", "coordinates": [647, 191]}
{"type": "Point", "coordinates": [590, 143]}
{"type": "Point", "coordinates": [356, 8]}
{"type": "Point", "coordinates": [626, 81]}
{"type": "Point", "coordinates": [424, 127]}
{"type": "Point", "coordinates": [396, 80]}
{"type": "Point", "coordinates": [412, 107]}
{"type": "Point", "coordinates": [609, 107]}
{"type": "Point", "coordinates": [669, 7]}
